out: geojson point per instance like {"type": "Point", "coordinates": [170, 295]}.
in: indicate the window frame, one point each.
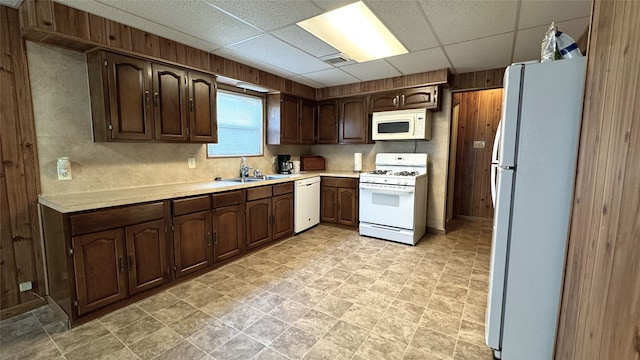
{"type": "Point", "coordinates": [249, 93]}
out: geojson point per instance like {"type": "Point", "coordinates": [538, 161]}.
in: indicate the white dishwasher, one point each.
{"type": "Point", "coordinates": [306, 203]}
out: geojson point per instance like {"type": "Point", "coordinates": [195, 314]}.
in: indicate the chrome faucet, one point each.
{"type": "Point", "coordinates": [244, 168]}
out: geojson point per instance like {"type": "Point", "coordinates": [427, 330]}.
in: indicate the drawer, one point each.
{"type": "Point", "coordinates": [283, 188]}
{"type": "Point", "coordinates": [227, 198]}
{"type": "Point", "coordinates": [339, 182]}
{"type": "Point", "coordinates": [190, 205]}
{"type": "Point", "coordinates": [260, 192]}
{"type": "Point", "coordinates": [115, 217]}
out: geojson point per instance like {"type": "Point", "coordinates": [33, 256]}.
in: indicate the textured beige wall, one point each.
{"type": "Point", "coordinates": [340, 157]}
{"type": "Point", "coordinates": [60, 90]}
{"type": "Point", "coordinates": [62, 112]}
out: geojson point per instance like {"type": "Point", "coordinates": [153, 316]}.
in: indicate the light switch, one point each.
{"type": "Point", "coordinates": [191, 162]}
{"type": "Point", "coordinates": [478, 144]}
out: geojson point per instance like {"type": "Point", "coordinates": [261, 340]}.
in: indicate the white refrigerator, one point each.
{"type": "Point", "coordinates": [533, 173]}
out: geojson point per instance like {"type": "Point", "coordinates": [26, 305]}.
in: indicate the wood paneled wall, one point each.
{"type": "Point", "coordinates": [479, 115]}
{"type": "Point", "coordinates": [20, 244]}
{"type": "Point", "coordinates": [54, 23]}
{"type": "Point", "coordinates": [600, 313]}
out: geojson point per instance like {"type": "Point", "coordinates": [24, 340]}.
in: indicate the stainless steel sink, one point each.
{"type": "Point", "coordinates": [277, 176]}
{"type": "Point", "coordinates": [246, 180]}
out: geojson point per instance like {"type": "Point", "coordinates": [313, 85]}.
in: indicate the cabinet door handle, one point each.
{"type": "Point", "coordinates": [209, 239]}
{"type": "Point", "coordinates": [156, 99]}
{"type": "Point", "coordinates": [191, 105]}
{"type": "Point", "coordinates": [215, 237]}
{"type": "Point", "coordinates": [120, 264]}
{"type": "Point", "coordinates": [131, 264]}
{"type": "Point", "coordinates": [402, 99]}
{"type": "Point", "coordinates": [146, 97]}
{"type": "Point", "coordinates": [395, 101]}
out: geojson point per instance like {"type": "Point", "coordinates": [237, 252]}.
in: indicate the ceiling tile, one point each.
{"type": "Point", "coordinates": [271, 50]}
{"type": "Point", "coordinates": [303, 40]}
{"type": "Point", "coordinates": [192, 17]}
{"type": "Point", "coordinates": [371, 70]}
{"type": "Point", "coordinates": [269, 15]}
{"type": "Point", "coordinates": [327, 5]}
{"type": "Point", "coordinates": [407, 22]}
{"type": "Point", "coordinates": [331, 77]}
{"type": "Point", "coordinates": [461, 20]}
{"type": "Point", "coordinates": [539, 12]}
{"type": "Point", "coordinates": [303, 80]}
{"type": "Point", "coordinates": [528, 41]}
{"type": "Point", "coordinates": [488, 53]}
{"type": "Point", "coordinates": [420, 61]}
{"type": "Point", "coordinates": [135, 21]}
{"type": "Point", "coordinates": [232, 55]}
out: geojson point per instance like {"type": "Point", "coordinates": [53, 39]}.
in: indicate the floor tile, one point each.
{"type": "Point", "coordinates": [96, 349]}
{"type": "Point", "coordinates": [316, 323]}
{"type": "Point", "coordinates": [221, 306]}
{"type": "Point", "coordinates": [375, 301]}
{"type": "Point", "coordinates": [406, 311]}
{"type": "Point", "coordinates": [174, 312]}
{"type": "Point", "coordinates": [450, 291]}
{"type": "Point", "coordinates": [123, 317]}
{"type": "Point", "coordinates": [202, 297]}
{"type": "Point", "coordinates": [333, 306]}
{"type": "Point", "coordinates": [467, 351]}
{"type": "Point", "coordinates": [361, 316]}
{"type": "Point", "coordinates": [266, 301]}
{"type": "Point", "coordinates": [186, 289]}
{"type": "Point", "coordinates": [395, 329]}
{"type": "Point", "coordinates": [294, 343]}
{"type": "Point", "coordinates": [42, 349]}
{"type": "Point", "coordinates": [472, 333]}
{"type": "Point", "coordinates": [156, 343]}
{"type": "Point", "coordinates": [183, 351]}
{"type": "Point", "coordinates": [415, 295]}
{"type": "Point", "coordinates": [290, 311]}
{"type": "Point", "coordinates": [325, 284]}
{"type": "Point", "coordinates": [385, 288]}
{"type": "Point", "coordinates": [270, 354]}
{"type": "Point", "coordinates": [346, 335]}
{"type": "Point", "coordinates": [446, 305]}
{"type": "Point", "coordinates": [138, 330]}
{"type": "Point", "coordinates": [242, 317]}
{"type": "Point", "coordinates": [474, 313]}
{"type": "Point", "coordinates": [441, 322]}
{"type": "Point", "coordinates": [192, 323]}
{"type": "Point", "coordinates": [79, 336]}
{"type": "Point", "coordinates": [266, 329]}
{"type": "Point", "coordinates": [212, 336]}
{"type": "Point", "coordinates": [240, 347]}
{"type": "Point", "coordinates": [309, 296]}
{"type": "Point", "coordinates": [433, 343]}
{"type": "Point", "coordinates": [379, 347]}
{"type": "Point", "coordinates": [326, 350]}
{"type": "Point", "coordinates": [157, 302]}
{"type": "Point", "coordinates": [348, 292]}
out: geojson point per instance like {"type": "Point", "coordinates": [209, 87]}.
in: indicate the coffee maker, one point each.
{"type": "Point", "coordinates": [284, 164]}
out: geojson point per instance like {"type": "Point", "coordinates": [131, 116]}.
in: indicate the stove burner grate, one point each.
{"type": "Point", "coordinates": [406, 173]}
{"type": "Point", "coordinates": [380, 172]}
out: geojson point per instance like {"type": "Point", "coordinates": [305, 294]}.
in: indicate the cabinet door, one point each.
{"type": "Point", "coordinates": [129, 82]}
{"type": "Point", "coordinates": [384, 102]}
{"type": "Point", "coordinates": [99, 267]}
{"type": "Point", "coordinates": [169, 103]}
{"type": "Point", "coordinates": [289, 120]}
{"type": "Point", "coordinates": [347, 206]}
{"type": "Point", "coordinates": [307, 122]}
{"type": "Point", "coordinates": [424, 97]}
{"type": "Point", "coordinates": [354, 121]}
{"type": "Point", "coordinates": [203, 125]}
{"type": "Point", "coordinates": [228, 232]}
{"type": "Point", "coordinates": [327, 122]}
{"type": "Point", "coordinates": [282, 216]}
{"type": "Point", "coordinates": [192, 242]}
{"type": "Point", "coordinates": [328, 204]}
{"type": "Point", "coordinates": [258, 222]}
{"type": "Point", "coordinates": [146, 245]}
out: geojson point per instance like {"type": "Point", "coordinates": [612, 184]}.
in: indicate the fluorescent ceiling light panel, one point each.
{"type": "Point", "coordinates": [355, 31]}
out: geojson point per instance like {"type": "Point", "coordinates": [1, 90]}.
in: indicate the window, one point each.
{"type": "Point", "coordinates": [240, 119]}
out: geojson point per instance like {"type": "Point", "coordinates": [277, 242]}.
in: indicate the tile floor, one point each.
{"type": "Point", "coordinates": [325, 294]}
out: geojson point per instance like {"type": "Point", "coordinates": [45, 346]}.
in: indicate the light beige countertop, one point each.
{"type": "Point", "coordinates": [67, 203]}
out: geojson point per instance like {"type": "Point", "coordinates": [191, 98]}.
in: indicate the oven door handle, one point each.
{"type": "Point", "coordinates": [393, 191]}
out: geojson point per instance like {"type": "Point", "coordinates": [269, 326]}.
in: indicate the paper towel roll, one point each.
{"type": "Point", "coordinates": [357, 161]}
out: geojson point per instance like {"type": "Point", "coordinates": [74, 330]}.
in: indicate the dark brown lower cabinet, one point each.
{"type": "Point", "coordinates": [282, 216]}
{"type": "Point", "coordinates": [147, 262]}
{"type": "Point", "coordinates": [259, 223]}
{"type": "Point", "coordinates": [192, 242]}
{"type": "Point", "coordinates": [101, 278]}
{"type": "Point", "coordinates": [339, 201]}
{"type": "Point", "coordinates": [228, 230]}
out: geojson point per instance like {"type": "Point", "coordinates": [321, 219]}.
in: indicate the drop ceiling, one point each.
{"type": "Point", "coordinates": [461, 35]}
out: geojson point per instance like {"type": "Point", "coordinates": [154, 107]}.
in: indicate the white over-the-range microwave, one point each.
{"type": "Point", "coordinates": [412, 124]}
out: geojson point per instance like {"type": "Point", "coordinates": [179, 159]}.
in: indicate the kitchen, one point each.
{"type": "Point", "coordinates": [157, 151]}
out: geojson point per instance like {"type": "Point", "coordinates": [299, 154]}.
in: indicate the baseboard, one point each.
{"type": "Point", "coordinates": [472, 218]}
{"type": "Point", "coordinates": [21, 308]}
{"type": "Point", "coordinates": [58, 310]}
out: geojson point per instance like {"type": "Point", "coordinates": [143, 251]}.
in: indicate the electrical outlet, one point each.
{"type": "Point", "coordinates": [26, 286]}
{"type": "Point", "coordinates": [191, 162]}
{"type": "Point", "coordinates": [478, 144]}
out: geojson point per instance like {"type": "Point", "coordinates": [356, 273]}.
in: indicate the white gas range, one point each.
{"type": "Point", "coordinates": [393, 198]}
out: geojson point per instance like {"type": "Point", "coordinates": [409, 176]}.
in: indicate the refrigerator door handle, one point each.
{"type": "Point", "coordinates": [494, 164]}
{"type": "Point", "coordinates": [496, 144]}
{"type": "Point", "coordinates": [494, 179]}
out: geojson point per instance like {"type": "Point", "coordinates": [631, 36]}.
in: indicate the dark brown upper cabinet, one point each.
{"type": "Point", "coordinates": [327, 122]}
{"type": "Point", "coordinates": [133, 99]}
{"type": "Point", "coordinates": [290, 120]}
{"type": "Point", "coordinates": [415, 98]}
{"type": "Point", "coordinates": [354, 124]}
